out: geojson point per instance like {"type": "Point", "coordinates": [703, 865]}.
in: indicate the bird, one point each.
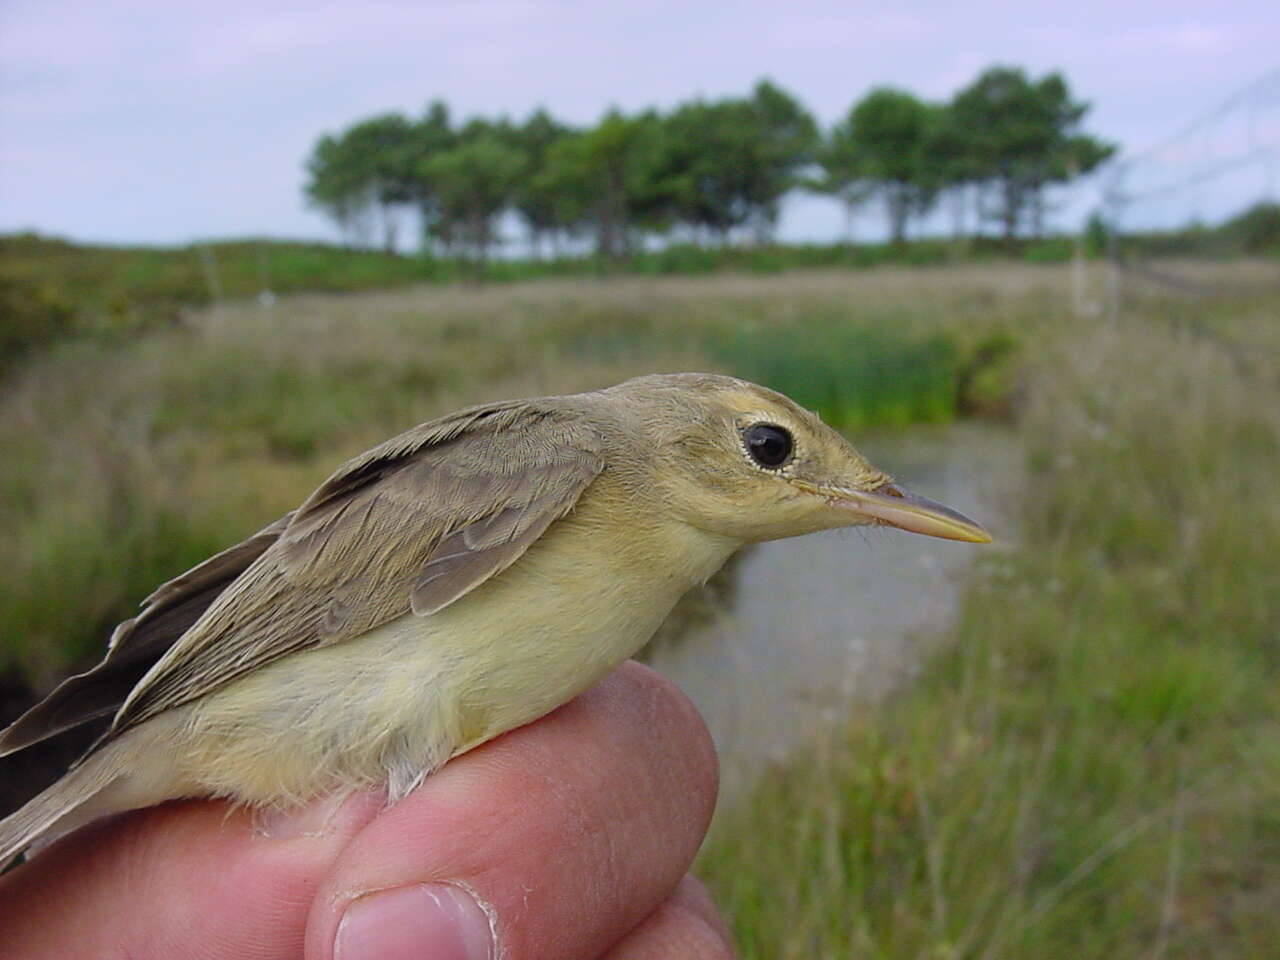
{"type": "Point", "coordinates": [453, 583]}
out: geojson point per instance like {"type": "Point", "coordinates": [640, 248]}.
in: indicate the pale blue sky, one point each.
{"type": "Point", "coordinates": [164, 121]}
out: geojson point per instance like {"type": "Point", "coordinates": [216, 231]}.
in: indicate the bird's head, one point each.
{"type": "Point", "coordinates": [738, 460]}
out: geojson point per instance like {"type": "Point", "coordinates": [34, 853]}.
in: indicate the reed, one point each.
{"type": "Point", "coordinates": [855, 376]}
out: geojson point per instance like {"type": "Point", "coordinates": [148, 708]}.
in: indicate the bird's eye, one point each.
{"type": "Point", "coordinates": [769, 445]}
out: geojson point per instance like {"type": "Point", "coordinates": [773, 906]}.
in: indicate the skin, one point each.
{"type": "Point", "coordinates": [578, 830]}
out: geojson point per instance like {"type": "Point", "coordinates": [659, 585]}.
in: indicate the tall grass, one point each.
{"type": "Point", "coordinates": [1090, 767]}
{"type": "Point", "coordinates": [855, 376]}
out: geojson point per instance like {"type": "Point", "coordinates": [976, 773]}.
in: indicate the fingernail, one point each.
{"type": "Point", "coordinates": [430, 920]}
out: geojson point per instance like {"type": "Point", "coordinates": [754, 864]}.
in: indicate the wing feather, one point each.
{"type": "Point", "coordinates": [136, 645]}
{"type": "Point", "coordinates": [412, 525]}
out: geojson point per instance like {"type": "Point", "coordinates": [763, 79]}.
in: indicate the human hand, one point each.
{"type": "Point", "coordinates": [568, 839]}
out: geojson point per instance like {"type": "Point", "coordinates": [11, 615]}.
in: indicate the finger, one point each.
{"type": "Point", "coordinates": [552, 841]}
{"type": "Point", "coordinates": [685, 927]}
{"type": "Point", "coordinates": [193, 880]}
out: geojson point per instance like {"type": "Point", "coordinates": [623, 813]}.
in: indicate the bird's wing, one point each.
{"type": "Point", "coordinates": [136, 644]}
{"type": "Point", "coordinates": [409, 526]}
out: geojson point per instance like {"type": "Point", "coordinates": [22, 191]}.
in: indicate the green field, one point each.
{"type": "Point", "coordinates": [1089, 766]}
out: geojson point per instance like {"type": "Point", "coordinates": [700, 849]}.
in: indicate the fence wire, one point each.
{"type": "Point", "coordinates": [1210, 191]}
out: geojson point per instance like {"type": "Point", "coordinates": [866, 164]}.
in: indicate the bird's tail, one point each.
{"type": "Point", "coordinates": [62, 807]}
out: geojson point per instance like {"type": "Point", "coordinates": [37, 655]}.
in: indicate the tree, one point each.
{"type": "Point", "coordinates": [1255, 230]}
{"type": "Point", "coordinates": [887, 134]}
{"type": "Point", "coordinates": [952, 165]}
{"type": "Point", "coordinates": [472, 183]}
{"type": "Point", "coordinates": [380, 147]}
{"type": "Point", "coordinates": [537, 204]}
{"type": "Point", "coordinates": [605, 176]}
{"type": "Point", "coordinates": [787, 141]}
{"type": "Point", "coordinates": [845, 172]}
{"type": "Point", "coordinates": [709, 157]}
{"type": "Point", "coordinates": [368, 167]}
{"type": "Point", "coordinates": [720, 168]}
{"type": "Point", "coordinates": [432, 135]}
{"type": "Point", "coordinates": [335, 187]}
{"type": "Point", "coordinates": [1020, 137]}
{"type": "Point", "coordinates": [727, 163]}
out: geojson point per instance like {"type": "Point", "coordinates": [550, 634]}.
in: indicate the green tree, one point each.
{"type": "Point", "coordinates": [604, 177]}
{"type": "Point", "coordinates": [381, 149]}
{"type": "Point", "coordinates": [1021, 136]}
{"type": "Point", "coordinates": [727, 163]}
{"type": "Point", "coordinates": [953, 166]}
{"type": "Point", "coordinates": [788, 141]}
{"type": "Point", "coordinates": [472, 183]}
{"type": "Point", "coordinates": [1255, 230]}
{"type": "Point", "coordinates": [845, 173]}
{"type": "Point", "coordinates": [887, 132]}
{"type": "Point", "coordinates": [538, 205]}
{"type": "Point", "coordinates": [367, 167]}
{"type": "Point", "coordinates": [708, 161]}
{"type": "Point", "coordinates": [335, 187]}
{"type": "Point", "coordinates": [432, 135]}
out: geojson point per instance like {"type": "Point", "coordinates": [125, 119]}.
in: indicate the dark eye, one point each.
{"type": "Point", "coordinates": [769, 445]}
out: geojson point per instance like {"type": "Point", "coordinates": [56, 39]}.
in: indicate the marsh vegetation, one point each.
{"type": "Point", "coordinates": [1086, 764]}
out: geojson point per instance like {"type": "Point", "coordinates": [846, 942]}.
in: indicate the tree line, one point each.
{"type": "Point", "coordinates": [707, 170]}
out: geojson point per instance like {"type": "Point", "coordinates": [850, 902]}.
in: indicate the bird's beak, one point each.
{"type": "Point", "coordinates": [895, 507]}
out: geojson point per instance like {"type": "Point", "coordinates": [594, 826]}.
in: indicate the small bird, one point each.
{"type": "Point", "coordinates": [457, 581]}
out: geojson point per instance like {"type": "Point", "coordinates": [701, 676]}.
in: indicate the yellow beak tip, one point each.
{"type": "Point", "coordinates": [893, 506]}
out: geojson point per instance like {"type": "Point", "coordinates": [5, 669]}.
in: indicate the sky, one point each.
{"type": "Point", "coordinates": [159, 121]}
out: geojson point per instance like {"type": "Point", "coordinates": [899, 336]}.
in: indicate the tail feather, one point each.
{"type": "Point", "coordinates": [62, 807]}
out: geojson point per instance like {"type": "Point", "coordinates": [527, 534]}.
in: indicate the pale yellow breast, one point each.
{"type": "Point", "coordinates": [406, 696]}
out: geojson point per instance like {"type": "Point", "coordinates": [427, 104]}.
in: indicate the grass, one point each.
{"type": "Point", "coordinates": [854, 375]}
{"type": "Point", "coordinates": [1090, 766]}
{"type": "Point", "coordinates": [51, 289]}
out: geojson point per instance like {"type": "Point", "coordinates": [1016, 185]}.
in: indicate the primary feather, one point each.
{"type": "Point", "coordinates": [135, 646]}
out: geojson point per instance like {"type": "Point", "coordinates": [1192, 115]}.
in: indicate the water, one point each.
{"type": "Point", "coordinates": [815, 623]}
